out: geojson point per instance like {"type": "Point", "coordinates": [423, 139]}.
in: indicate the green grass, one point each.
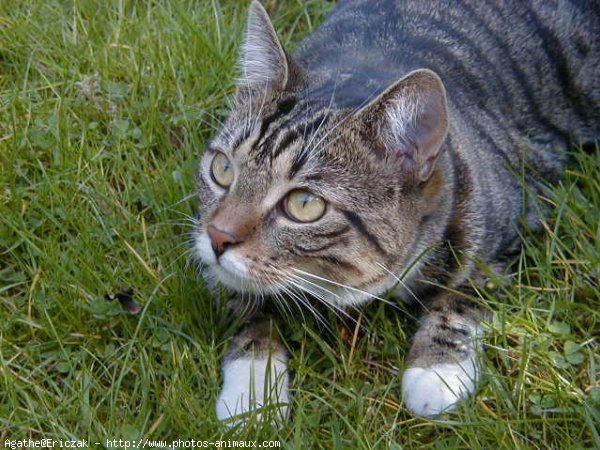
{"type": "Point", "coordinates": [105, 108]}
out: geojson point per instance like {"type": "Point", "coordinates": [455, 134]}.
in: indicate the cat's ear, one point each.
{"type": "Point", "coordinates": [409, 121]}
{"type": "Point", "coordinates": [264, 63]}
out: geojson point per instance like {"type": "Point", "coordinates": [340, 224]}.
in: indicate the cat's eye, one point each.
{"type": "Point", "coordinates": [304, 206]}
{"type": "Point", "coordinates": [221, 170]}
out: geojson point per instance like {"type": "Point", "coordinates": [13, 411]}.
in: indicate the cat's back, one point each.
{"type": "Point", "coordinates": [518, 60]}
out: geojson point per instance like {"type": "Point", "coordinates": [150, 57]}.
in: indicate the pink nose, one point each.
{"type": "Point", "coordinates": [221, 240]}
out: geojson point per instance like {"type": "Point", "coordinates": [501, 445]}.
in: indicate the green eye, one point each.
{"type": "Point", "coordinates": [304, 206]}
{"type": "Point", "coordinates": [222, 170]}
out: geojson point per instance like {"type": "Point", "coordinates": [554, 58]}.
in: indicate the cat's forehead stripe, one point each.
{"type": "Point", "coordinates": [291, 121]}
{"type": "Point", "coordinates": [266, 143]}
{"type": "Point", "coordinates": [284, 107]}
{"type": "Point", "coordinates": [302, 156]}
{"type": "Point", "coordinates": [287, 132]}
{"type": "Point", "coordinates": [285, 142]}
{"type": "Point", "coordinates": [245, 134]}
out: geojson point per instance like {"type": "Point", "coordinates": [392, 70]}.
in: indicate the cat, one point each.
{"type": "Point", "coordinates": [389, 153]}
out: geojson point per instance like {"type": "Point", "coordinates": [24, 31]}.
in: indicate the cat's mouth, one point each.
{"type": "Point", "coordinates": [233, 272]}
{"type": "Point", "coordinates": [230, 269]}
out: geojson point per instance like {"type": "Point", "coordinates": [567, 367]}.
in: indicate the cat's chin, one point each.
{"type": "Point", "coordinates": [236, 278]}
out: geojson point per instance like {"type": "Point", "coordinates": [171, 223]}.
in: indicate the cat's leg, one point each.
{"type": "Point", "coordinates": [255, 379]}
{"type": "Point", "coordinates": [443, 360]}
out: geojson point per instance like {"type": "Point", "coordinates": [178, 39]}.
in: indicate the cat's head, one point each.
{"type": "Point", "coordinates": [295, 194]}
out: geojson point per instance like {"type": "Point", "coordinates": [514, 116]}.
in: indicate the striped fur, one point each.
{"type": "Point", "coordinates": [413, 121]}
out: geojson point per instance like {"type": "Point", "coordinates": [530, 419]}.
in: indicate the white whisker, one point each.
{"type": "Point", "coordinates": [301, 283]}
{"type": "Point", "coordinates": [344, 286]}
{"type": "Point", "coordinates": [404, 285]}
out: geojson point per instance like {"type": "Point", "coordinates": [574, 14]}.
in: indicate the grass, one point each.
{"type": "Point", "coordinates": [105, 107]}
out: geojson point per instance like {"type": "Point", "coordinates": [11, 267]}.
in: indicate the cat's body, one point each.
{"type": "Point", "coordinates": [342, 168]}
{"type": "Point", "coordinates": [520, 76]}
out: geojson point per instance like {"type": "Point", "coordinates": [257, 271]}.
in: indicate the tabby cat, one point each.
{"type": "Point", "coordinates": [389, 153]}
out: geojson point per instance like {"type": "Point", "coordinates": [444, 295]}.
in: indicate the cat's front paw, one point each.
{"type": "Point", "coordinates": [253, 386]}
{"type": "Point", "coordinates": [429, 391]}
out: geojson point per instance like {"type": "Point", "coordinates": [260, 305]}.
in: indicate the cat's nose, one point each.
{"type": "Point", "coordinates": [221, 240]}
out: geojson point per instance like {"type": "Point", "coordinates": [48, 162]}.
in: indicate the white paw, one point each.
{"type": "Point", "coordinates": [248, 385]}
{"type": "Point", "coordinates": [436, 389]}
